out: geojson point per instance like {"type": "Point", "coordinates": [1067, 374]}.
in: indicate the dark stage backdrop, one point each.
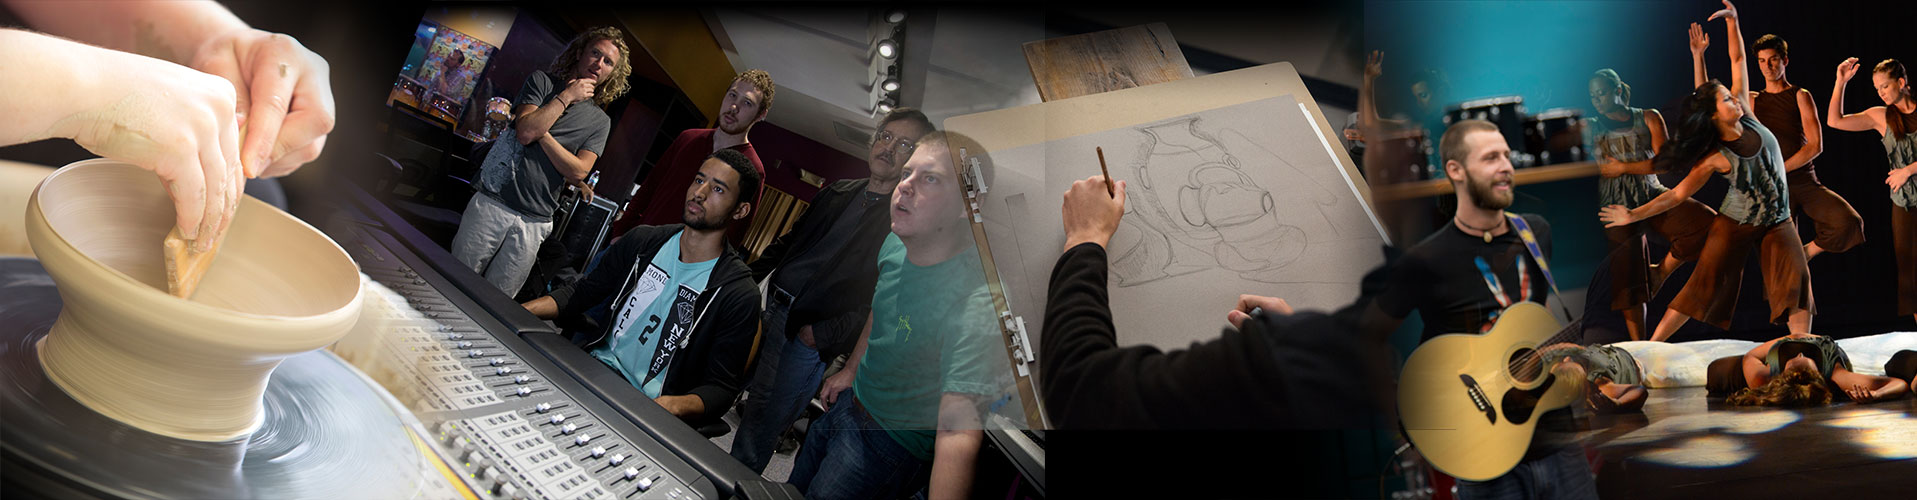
{"type": "Point", "coordinates": [1547, 51]}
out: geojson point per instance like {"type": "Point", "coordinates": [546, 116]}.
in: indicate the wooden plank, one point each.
{"type": "Point", "coordinates": [1523, 176]}
{"type": "Point", "coordinates": [1104, 61]}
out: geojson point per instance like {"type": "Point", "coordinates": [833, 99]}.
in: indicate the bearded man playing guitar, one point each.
{"type": "Point", "coordinates": [1468, 277]}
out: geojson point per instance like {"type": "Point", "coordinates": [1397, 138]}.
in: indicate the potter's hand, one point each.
{"type": "Point", "coordinates": [1247, 303]}
{"type": "Point", "coordinates": [1615, 216]}
{"type": "Point", "coordinates": [172, 120]}
{"type": "Point", "coordinates": [283, 91]}
{"type": "Point", "coordinates": [1091, 213]}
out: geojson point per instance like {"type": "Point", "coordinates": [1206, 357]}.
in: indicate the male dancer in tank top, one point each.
{"type": "Point", "coordinates": [1717, 134]}
{"type": "Point", "coordinates": [1791, 114]}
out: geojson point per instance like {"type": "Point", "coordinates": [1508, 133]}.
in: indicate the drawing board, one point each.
{"type": "Point", "coordinates": [1234, 187]}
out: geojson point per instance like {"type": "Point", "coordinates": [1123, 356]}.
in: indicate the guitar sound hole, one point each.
{"type": "Point", "coordinates": [1524, 367]}
{"type": "Point", "coordinates": [1518, 404]}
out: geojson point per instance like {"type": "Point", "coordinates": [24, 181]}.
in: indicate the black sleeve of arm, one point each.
{"type": "Point", "coordinates": [1090, 382]}
{"type": "Point", "coordinates": [726, 369]}
{"type": "Point", "coordinates": [774, 254]}
{"type": "Point", "coordinates": [575, 298]}
{"type": "Point", "coordinates": [839, 334]}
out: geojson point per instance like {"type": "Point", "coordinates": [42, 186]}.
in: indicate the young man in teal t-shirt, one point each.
{"type": "Point", "coordinates": [930, 360]}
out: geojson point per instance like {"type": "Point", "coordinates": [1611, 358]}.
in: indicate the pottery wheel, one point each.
{"type": "Point", "coordinates": [326, 433]}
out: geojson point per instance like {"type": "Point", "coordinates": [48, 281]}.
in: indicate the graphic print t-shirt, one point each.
{"type": "Point", "coordinates": [1460, 284]}
{"type": "Point", "coordinates": [659, 311]}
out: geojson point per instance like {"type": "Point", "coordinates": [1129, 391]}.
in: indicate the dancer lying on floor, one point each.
{"type": "Point", "coordinates": [1796, 370]}
{"type": "Point", "coordinates": [1614, 383]}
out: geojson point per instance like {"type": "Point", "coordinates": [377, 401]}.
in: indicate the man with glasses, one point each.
{"type": "Point", "coordinates": [818, 300]}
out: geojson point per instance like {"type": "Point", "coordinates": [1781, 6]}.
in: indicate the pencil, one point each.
{"type": "Point", "coordinates": [1108, 173]}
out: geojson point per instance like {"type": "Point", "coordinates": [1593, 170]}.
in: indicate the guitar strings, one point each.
{"type": "Point", "coordinates": [1536, 357]}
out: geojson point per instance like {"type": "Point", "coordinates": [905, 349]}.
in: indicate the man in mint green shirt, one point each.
{"type": "Point", "coordinates": [674, 287]}
{"type": "Point", "coordinates": [930, 360]}
{"type": "Point", "coordinates": [681, 312]}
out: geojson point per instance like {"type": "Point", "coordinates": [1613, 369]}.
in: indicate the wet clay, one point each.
{"type": "Point", "coordinates": [190, 369]}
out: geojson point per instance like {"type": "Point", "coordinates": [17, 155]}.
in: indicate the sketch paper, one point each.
{"type": "Point", "coordinates": [1243, 198]}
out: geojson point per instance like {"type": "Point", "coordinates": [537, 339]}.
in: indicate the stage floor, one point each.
{"type": "Point", "coordinates": [1686, 445]}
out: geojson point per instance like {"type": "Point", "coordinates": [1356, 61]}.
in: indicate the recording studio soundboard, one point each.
{"type": "Point", "coordinates": [514, 410]}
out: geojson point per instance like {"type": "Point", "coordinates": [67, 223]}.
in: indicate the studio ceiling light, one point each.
{"type": "Point", "coordinates": [895, 17]}
{"type": "Point", "coordinates": [890, 85]}
{"type": "Point", "coordinates": [888, 49]}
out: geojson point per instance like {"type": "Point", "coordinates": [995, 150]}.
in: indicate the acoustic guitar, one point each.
{"type": "Point", "coordinates": [1470, 402]}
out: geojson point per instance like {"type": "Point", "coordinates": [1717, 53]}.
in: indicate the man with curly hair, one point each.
{"type": "Point", "coordinates": [746, 103]}
{"type": "Point", "coordinates": [562, 125]}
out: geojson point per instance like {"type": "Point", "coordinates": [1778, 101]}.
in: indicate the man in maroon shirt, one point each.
{"type": "Point", "coordinates": [746, 104]}
{"type": "Point", "coordinates": [1791, 114]}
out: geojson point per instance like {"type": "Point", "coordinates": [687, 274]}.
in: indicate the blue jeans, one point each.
{"type": "Point", "coordinates": [789, 373]}
{"type": "Point", "coordinates": [847, 455]}
{"type": "Point", "coordinates": [1562, 475]}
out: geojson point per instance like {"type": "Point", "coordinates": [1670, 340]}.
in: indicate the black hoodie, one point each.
{"type": "Point", "coordinates": [713, 365]}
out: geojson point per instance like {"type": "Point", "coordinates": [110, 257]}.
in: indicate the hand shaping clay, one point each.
{"type": "Point", "coordinates": [185, 266]}
{"type": "Point", "coordinates": [190, 369]}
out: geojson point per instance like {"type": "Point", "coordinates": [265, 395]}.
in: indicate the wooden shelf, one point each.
{"type": "Point", "coordinates": [1523, 176]}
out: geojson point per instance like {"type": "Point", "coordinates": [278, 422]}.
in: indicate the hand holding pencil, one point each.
{"type": "Point", "coordinates": [1088, 218]}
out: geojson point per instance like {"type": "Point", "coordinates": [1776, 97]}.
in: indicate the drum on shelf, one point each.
{"type": "Point", "coordinates": [498, 108]}
{"type": "Point", "coordinates": [1555, 136]}
{"type": "Point", "coordinates": [1507, 112]}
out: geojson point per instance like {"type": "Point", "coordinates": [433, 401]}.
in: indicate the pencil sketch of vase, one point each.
{"type": "Point", "coordinates": [1195, 208]}
{"type": "Point", "coordinates": [1253, 242]}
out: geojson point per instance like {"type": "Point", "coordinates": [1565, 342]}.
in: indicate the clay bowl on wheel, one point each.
{"type": "Point", "coordinates": [190, 369]}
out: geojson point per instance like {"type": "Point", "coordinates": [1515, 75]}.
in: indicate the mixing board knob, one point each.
{"type": "Point", "coordinates": [543, 407]}
{"type": "Point", "coordinates": [476, 354]}
{"type": "Point", "coordinates": [582, 439]}
{"type": "Point", "coordinates": [455, 336]}
{"type": "Point", "coordinates": [568, 428]}
{"type": "Point", "coordinates": [523, 391]}
{"type": "Point", "coordinates": [522, 379]}
{"type": "Point", "coordinates": [507, 490]}
{"type": "Point", "coordinates": [464, 345]}
{"type": "Point", "coordinates": [598, 451]}
{"type": "Point", "coordinates": [496, 361]}
{"type": "Point", "coordinates": [558, 419]}
{"type": "Point", "coordinates": [616, 460]}
{"type": "Point", "coordinates": [645, 484]}
{"type": "Point", "coordinates": [632, 472]}
{"type": "Point", "coordinates": [503, 371]}
{"type": "Point", "coordinates": [453, 436]}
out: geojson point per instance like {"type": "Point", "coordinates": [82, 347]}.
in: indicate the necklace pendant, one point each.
{"type": "Point", "coordinates": [1487, 236]}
